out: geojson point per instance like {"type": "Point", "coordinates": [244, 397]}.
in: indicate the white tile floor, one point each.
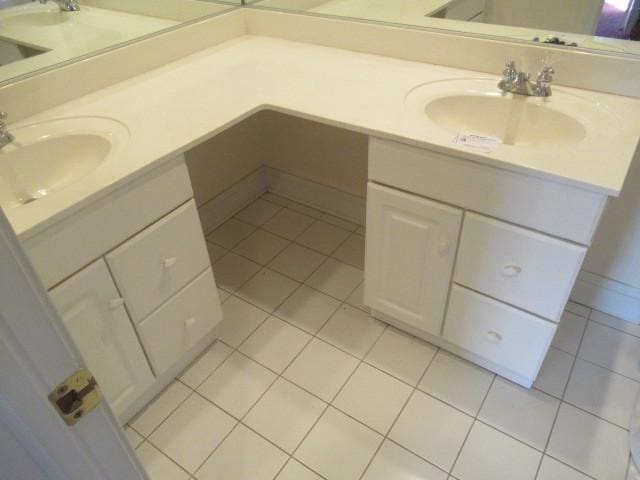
{"type": "Point", "coordinates": [303, 384]}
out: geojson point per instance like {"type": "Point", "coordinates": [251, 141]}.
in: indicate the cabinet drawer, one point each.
{"type": "Point", "coordinates": [504, 335]}
{"type": "Point", "coordinates": [524, 268]}
{"type": "Point", "coordinates": [159, 261]}
{"type": "Point", "coordinates": [181, 322]}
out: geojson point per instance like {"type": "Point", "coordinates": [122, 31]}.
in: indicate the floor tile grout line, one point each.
{"type": "Point", "coordinates": [146, 440]}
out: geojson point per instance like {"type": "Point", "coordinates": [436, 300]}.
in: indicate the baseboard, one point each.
{"type": "Point", "coordinates": [345, 205]}
{"type": "Point", "coordinates": [232, 200]}
{"type": "Point", "coordinates": [608, 296]}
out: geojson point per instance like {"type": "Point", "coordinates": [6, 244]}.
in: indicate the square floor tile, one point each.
{"type": "Point", "coordinates": [617, 323]}
{"type": "Point", "coordinates": [373, 397]}
{"type": "Point", "coordinates": [160, 408]}
{"type": "Point", "coordinates": [323, 237]}
{"type": "Point", "coordinates": [311, 212]}
{"type": "Point", "coordinates": [237, 384]}
{"type": "Point", "coordinates": [297, 262]}
{"type": "Point", "coordinates": [578, 309]}
{"type": "Point", "coordinates": [288, 223]}
{"type": "Point", "coordinates": [308, 309]}
{"type": "Point", "coordinates": [457, 382]}
{"type": "Point", "coordinates": [158, 465]}
{"type": "Point", "coordinates": [339, 222]}
{"type": "Point", "coordinates": [527, 415]}
{"type": "Point", "coordinates": [401, 355]}
{"type": "Point", "coordinates": [393, 462]}
{"type": "Point", "coordinates": [321, 369]}
{"type": "Point", "coordinates": [261, 246]}
{"type": "Point", "coordinates": [294, 470]}
{"type": "Point", "coordinates": [267, 289]}
{"type": "Point", "coordinates": [589, 444]}
{"type": "Point", "coordinates": [338, 447]}
{"type": "Point", "coordinates": [232, 270]}
{"type": "Point", "coordinates": [554, 373]}
{"type": "Point", "coordinates": [285, 414]}
{"type": "Point", "coordinates": [216, 252]}
{"type": "Point", "coordinates": [230, 233]}
{"type": "Point", "coordinates": [275, 343]}
{"type": "Point", "coordinates": [352, 251]}
{"type": "Point", "coordinates": [352, 330]}
{"type": "Point", "coordinates": [336, 279]}
{"type": "Point", "coordinates": [243, 456]}
{"type": "Point", "coordinates": [192, 432]}
{"type": "Point", "coordinates": [205, 364]}
{"type": "Point", "coordinates": [602, 392]}
{"type": "Point", "coordinates": [258, 213]}
{"type": "Point", "coordinates": [239, 319]}
{"type": "Point", "coordinates": [356, 299]}
{"type": "Point", "coordinates": [611, 349]}
{"type": "Point", "coordinates": [569, 332]}
{"type": "Point", "coordinates": [134, 438]}
{"type": "Point", "coordinates": [431, 429]}
{"type": "Point", "coordinates": [489, 455]}
{"type": "Point", "coordinates": [551, 469]}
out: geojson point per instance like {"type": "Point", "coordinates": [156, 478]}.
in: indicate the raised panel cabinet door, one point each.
{"type": "Point", "coordinates": [411, 245]}
{"type": "Point", "coordinates": [94, 314]}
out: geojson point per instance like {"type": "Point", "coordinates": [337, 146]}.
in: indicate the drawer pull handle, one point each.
{"type": "Point", "coordinates": [189, 322]}
{"type": "Point", "coordinates": [169, 262]}
{"type": "Point", "coordinates": [494, 337]}
{"type": "Point", "coordinates": [511, 270]}
{"type": "Point", "coordinates": [116, 303]}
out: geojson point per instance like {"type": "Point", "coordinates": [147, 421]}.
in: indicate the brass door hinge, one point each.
{"type": "Point", "coordinates": [76, 396]}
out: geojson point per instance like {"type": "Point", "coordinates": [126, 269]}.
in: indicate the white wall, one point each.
{"type": "Point", "coordinates": [575, 16]}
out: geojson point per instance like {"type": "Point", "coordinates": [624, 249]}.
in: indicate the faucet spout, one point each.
{"type": "Point", "coordinates": [65, 5]}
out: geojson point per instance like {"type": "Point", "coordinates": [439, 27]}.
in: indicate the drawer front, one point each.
{"type": "Point", "coordinates": [560, 210]}
{"type": "Point", "coordinates": [504, 335]}
{"type": "Point", "coordinates": [515, 265]}
{"type": "Point", "coordinates": [159, 261]}
{"type": "Point", "coordinates": [181, 322]}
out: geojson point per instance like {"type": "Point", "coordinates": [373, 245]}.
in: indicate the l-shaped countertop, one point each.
{"type": "Point", "coordinates": [173, 108]}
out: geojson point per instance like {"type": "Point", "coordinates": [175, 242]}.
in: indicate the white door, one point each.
{"type": "Point", "coordinates": [36, 355]}
{"type": "Point", "coordinates": [411, 246]}
{"type": "Point", "coordinates": [94, 314]}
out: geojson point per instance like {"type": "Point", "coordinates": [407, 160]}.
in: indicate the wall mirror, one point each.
{"type": "Point", "coordinates": [38, 34]}
{"type": "Point", "coordinates": [609, 26]}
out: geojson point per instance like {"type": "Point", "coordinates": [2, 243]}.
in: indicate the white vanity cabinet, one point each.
{"type": "Point", "coordinates": [411, 245]}
{"type": "Point", "coordinates": [94, 314]}
{"type": "Point", "coordinates": [478, 260]}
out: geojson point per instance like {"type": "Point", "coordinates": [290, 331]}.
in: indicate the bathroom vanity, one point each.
{"type": "Point", "coordinates": [475, 250]}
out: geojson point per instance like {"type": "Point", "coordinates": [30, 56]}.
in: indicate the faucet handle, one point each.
{"type": "Point", "coordinates": [546, 75]}
{"type": "Point", "coordinates": [510, 70]}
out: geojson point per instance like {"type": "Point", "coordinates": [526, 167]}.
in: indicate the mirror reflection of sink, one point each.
{"type": "Point", "coordinates": [477, 107]}
{"type": "Point", "coordinates": [50, 156]}
{"type": "Point", "coordinates": [38, 19]}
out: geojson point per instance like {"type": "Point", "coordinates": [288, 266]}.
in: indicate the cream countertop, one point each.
{"type": "Point", "coordinates": [175, 107]}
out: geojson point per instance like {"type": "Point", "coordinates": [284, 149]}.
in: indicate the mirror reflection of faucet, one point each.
{"type": "Point", "coordinates": [65, 5]}
{"type": "Point", "coordinates": [519, 83]}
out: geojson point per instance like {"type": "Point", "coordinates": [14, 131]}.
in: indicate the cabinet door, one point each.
{"type": "Point", "coordinates": [94, 314]}
{"type": "Point", "coordinates": [411, 245]}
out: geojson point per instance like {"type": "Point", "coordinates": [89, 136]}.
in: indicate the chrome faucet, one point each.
{"type": "Point", "coordinates": [5, 136]}
{"type": "Point", "coordinates": [519, 83]}
{"type": "Point", "coordinates": [65, 5]}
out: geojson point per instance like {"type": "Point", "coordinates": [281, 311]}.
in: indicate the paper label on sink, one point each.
{"type": "Point", "coordinates": [474, 140]}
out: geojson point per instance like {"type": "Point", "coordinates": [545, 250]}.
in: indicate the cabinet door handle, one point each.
{"type": "Point", "coordinates": [169, 262]}
{"type": "Point", "coordinates": [189, 322]}
{"type": "Point", "coordinates": [493, 336]}
{"type": "Point", "coordinates": [116, 303]}
{"type": "Point", "coordinates": [511, 270]}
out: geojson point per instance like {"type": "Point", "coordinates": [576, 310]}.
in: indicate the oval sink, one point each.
{"type": "Point", "coordinates": [50, 156]}
{"type": "Point", "coordinates": [478, 107]}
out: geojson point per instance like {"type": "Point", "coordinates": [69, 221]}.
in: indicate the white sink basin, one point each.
{"type": "Point", "coordinates": [38, 19]}
{"type": "Point", "coordinates": [51, 156]}
{"type": "Point", "coordinates": [478, 107]}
